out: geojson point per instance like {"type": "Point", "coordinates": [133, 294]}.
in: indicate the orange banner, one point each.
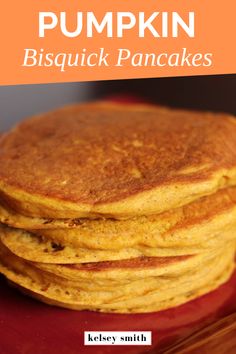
{"type": "Point", "coordinates": [64, 41]}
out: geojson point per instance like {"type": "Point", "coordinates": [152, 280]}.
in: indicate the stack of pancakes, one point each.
{"type": "Point", "coordinates": [118, 208]}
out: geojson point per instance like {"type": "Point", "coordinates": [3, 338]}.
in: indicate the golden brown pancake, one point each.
{"type": "Point", "coordinates": [201, 225]}
{"type": "Point", "coordinates": [201, 215]}
{"type": "Point", "coordinates": [35, 248]}
{"type": "Point", "coordinates": [88, 160]}
{"type": "Point", "coordinates": [142, 293]}
{"type": "Point", "coordinates": [10, 217]}
{"type": "Point", "coordinates": [193, 224]}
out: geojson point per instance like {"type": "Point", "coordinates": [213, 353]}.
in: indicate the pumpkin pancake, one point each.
{"type": "Point", "coordinates": [202, 218]}
{"type": "Point", "coordinates": [203, 224]}
{"type": "Point", "coordinates": [197, 223]}
{"type": "Point", "coordinates": [35, 248]}
{"type": "Point", "coordinates": [10, 217]}
{"type": "Point", "coordinates": [142, 292]}
{"type": "Point", "coordinates": [101, 161]}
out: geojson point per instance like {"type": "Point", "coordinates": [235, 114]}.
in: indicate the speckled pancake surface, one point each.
{"type": "Point", "coordinates": [88, 160]}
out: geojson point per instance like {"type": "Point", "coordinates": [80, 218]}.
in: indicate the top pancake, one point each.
{"type": "Point", "coordinates": [117, 161]}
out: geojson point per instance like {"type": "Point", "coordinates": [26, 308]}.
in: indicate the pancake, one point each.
{"type": "Point", "coordinates": [159, 292]}
{"type": "Point", "coordinates": [35, 248]}
{"type": "Point", "coordinates": [203, 218]}
{"type": "Point", "coordinates": [122, 272]}
{"type": "Point", "coordinates": [9, 217]}
{"type": "Point", "coordinates": [197, 223]}
{"type": "Point", "coordinates": [102, 161]}
{"type": "Point", "coordinates": [204, 224]}
{"type": "Point", "coordinates": [170, 301]}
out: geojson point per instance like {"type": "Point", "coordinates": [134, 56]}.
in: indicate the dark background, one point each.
{"type": "Point", "coordinates": [215, 93]}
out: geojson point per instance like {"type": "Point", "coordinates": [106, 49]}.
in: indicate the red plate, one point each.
{"type": "Point", "coordinates": [30, 327]}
